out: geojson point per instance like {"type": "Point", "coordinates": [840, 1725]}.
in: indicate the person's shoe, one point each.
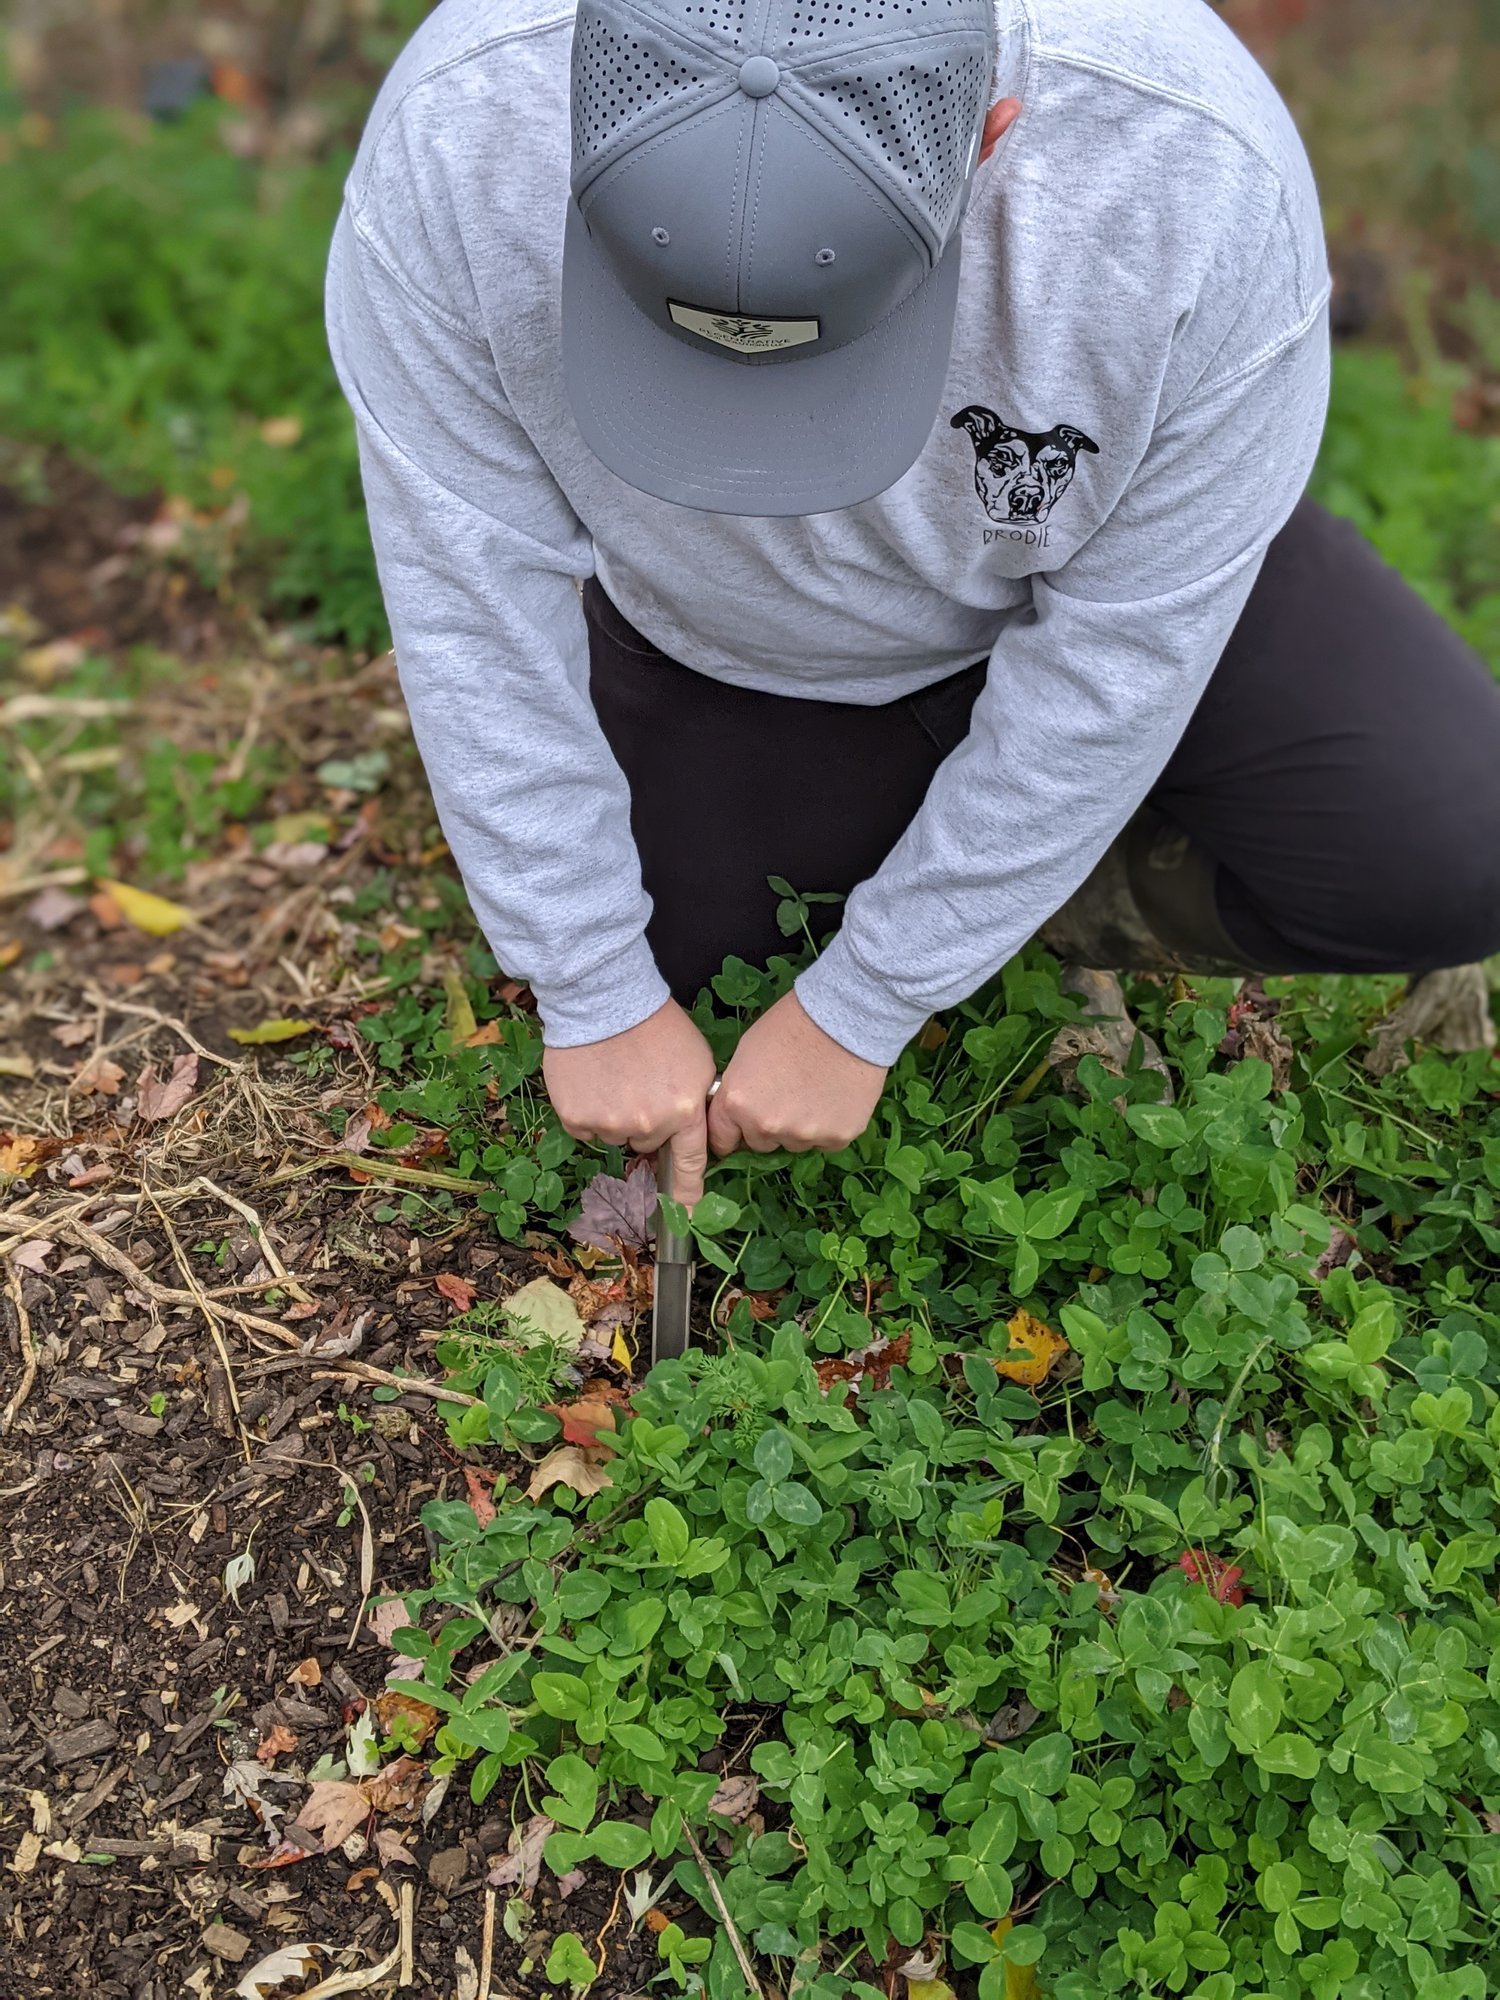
{"type": "Point", "coordinates": [1447, 1010]}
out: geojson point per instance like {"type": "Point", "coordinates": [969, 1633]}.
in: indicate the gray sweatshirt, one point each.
{"type": "Point", "coordinates": [1134, 400]}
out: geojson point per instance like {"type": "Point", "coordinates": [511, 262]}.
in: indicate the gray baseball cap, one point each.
{"type": "Point", "coordinates": [761, 258]}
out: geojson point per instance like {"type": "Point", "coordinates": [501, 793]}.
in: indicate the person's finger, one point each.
{"type": "Point", "coordinates": [690, 1160]}
{"type": "Point", "coordinates": [724, 1133]}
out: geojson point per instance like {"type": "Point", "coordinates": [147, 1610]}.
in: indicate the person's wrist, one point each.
{"type": "Point", "coordinates": [854, 1007]}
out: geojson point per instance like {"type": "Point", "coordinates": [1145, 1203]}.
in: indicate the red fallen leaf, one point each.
{"type": "Point", "coordinates": [584, 1420]}
{"type": "Point", "coordinates": [459, 1293]}
{"type": "Point", "coordinates": [1223, 1580]}
{"type": "Point", "coordinates": [285, 1853]}
{"type": "Point", "coordinates": [481, 1494]}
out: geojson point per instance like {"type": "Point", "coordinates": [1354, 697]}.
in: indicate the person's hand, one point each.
{"type": "Point", "coordinates": [789, 1084]}
{"type": "Point", "coordinates": [640, 1089]}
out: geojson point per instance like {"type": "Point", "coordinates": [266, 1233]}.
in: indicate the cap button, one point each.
{"type": "Point", "coordinates": [759, 76]}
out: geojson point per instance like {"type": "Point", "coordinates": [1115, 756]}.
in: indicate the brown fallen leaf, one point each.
{"type": "Point", "coordinates": [277, 1740]}
{"type": "Point", "coordinates": [392, 1704]}
{"type": "Point", "coordinates": [735, 1797]}
{"type": "Point", "coordinates": [28, 1852]}
{"type": "Point", "coordinates": [386, 1618]}
{"type": "Point", "coordinates": [32, 1255]}
{"type": "Point", "coordinates": [71, 1033]}
{"type": "Point", "coordinates": [521, 1864]}
{"type": "Point", "coordinates": [396, 1788]}
{"type": "Point", "coordinates": [159, 1098]}
{"type": "Point", "coordinates": [334, 1809]}
{"type": "Point", "coordinates": [53, 908]}
{"type": "Point", "coordinates": [308, 1674]}
{"type": "Point", "coordinates": [481, 1488]}
{"type": "Point", "coordinates": [392, 1848]}
{"type": "Point", "coordinates": [569, 1465]}
{"type": "Point", "coordinates": [459, 1292]}
{"type": "Point", "coordinates": [98, 1073]}
{"type": "Point", "coordinates": [10, 951]}
{"type": "Point", "coordinates": [288, 1851]}
{"type": "Point", "coordinates": [867, 1367]}
{"type": "Point", "coordinates": [18, 1152]}
{"type": "Point", "coordinates": [1034, 1347]}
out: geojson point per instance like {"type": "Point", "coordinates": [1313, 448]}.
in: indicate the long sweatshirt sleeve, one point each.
{"type": "Point", "coordinates": [480, 556]}
{"type": "Point", "coordinates": [1084, 702]}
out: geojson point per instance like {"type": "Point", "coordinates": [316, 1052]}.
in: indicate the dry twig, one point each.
{"type": "Point", "coordinates": [724, 1917]}
{"type": "Point", "coordinates": [414, 1385]}
{"type": "Point", "coordinates": [166, 1295]}
{"type": "Point", "coordinates": [28, 1349]}
{"type": "Point", "coordinates": [209, 1313]}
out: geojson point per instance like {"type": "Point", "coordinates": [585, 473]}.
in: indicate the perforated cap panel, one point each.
{"type": "Point", "coordinates": [623, 72]}
{"type": "Point", "coordinates": [922, 119]}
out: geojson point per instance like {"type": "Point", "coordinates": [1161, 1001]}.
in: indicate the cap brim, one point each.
{"type": "Point", "coordinates": [703, 430]}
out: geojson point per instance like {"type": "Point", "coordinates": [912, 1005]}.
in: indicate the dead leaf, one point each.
{"type": "Point", "coordinates": [99, 1074]}
{"type": "Point", "coordinates": [582, 1421]}
{"type": "Point", "coordinates": [1491, 1821]}
{"type": "Point", "coordinates": [71, 1033]}
{"type": "Point", "coordinates": [289, 1961]}
{"type": "Point", "coordinates": [10, 951]}
{"type": "Point", "coordinates": [277, 1740]}
{"type": "Point", "coordinates": [481, 1494]}
{"type": "Point", "coordinates": [1013, 1720]}
{"type": "Point", "coordinates": [571, 1466]}
{"type": "Point", "coordinates": [392, 1849]}
{"type": "Point", "coordinates": [278, 1030]}
{"type": "Point", "coordinates": [521, 1864]}
{"type": "Point", "coordinates": [33, 1254]}
{"type": "Point", "coordinates": [288, 1851]}
{"type": "Point", "coordinates": [28, 1853]}
{"type": "Point", "coordinates": [735, 1798]}
{"type": "Point", "coordinates": [158, 1099]}
{"type": "Point", "coordinates": [867, 1367]}
{"type": "Point", "coordinates": [929, 1989]}
{"type": "Point", "coordinates": [242, 1787]}
{"type": "Point", "coordinates": [1034, 1347]}
{"type": "Point", "coordinates": [278, 432]}
{"type": "Point", "coordinates": [180, 1615]}
{"type": "Point", "coordinates": [387, 1618]}
{"type": "Point", "coordinates": [53, 908]}
{"type": "Point", "coordinates": [420, 1719]}
{"type": "Point", "coordinates": [617, 1212]}
{"type": "Point", "coordinates": [153, 914]}
{"type": "Point", "coordinates": [485, 1036]}
{"type": "Point", "coordinates": [396, 1788]}
{"type": "Point", "coordinates": [543, 1311]}
{"type": "Point", "coordinates": [334, 1809]}
{"type": "Point", "coordinates": [459, 1009]}
{"type": "Point", "coordinates": [18, 1152]}
{"type": "Point", "coordinates": [459, 1292]}
{"type": "Point", "coordinates": [308, 1674]}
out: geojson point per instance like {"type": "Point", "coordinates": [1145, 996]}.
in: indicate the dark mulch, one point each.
{"type": "Point", "coordinates": [158, 1440]}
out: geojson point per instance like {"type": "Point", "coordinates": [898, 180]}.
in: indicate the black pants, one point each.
{"type": "Point", "coordinates": [1342, 770]}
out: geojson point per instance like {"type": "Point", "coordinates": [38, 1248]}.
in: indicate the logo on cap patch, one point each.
{"type": "Point", "coordinates": [744, 335]}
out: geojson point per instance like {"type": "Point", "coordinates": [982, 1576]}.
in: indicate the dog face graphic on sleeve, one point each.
{"type": "Point", "coordinates": [1020, 475]}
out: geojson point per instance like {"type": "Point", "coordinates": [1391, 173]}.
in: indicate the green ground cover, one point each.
{"type": "Point", "coordinates": [1173, 1672]}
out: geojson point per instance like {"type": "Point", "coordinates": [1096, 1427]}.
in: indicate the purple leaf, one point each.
{"type": "Point", "coordinates": [617, 1213]}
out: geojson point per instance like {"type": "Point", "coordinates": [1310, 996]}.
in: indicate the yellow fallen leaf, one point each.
{"type": "Point", "coordinates": [10, 951]}
{"type": "Point", "coordinates": [1020, 1980]}
{"type": "Point", "coordinates": [279, 432]}
{"type": "Point", "coordinates": [152, 914]}
{"type": "Point", "coordinates": [485, 1036]}
{"type": "Point", "coordinates": [929, 1989]}
{"type": "Point", "coordinates": [621, 1352]}
{"type": "Point", "coordinates": [292, 828]}
{"type": "Point", "coordinates": [280, 1030]}
{"type": "Point", "coordinates": [543, 1311]}
{"type": "Point", "coordinates": [18, 1154]}
{"type": "Point", "coordinates": [21, 1066]}
{"type": "Point", "coordinates": [460, 1012]}
{"type": "Point", "coordinates": [1033, 1348]}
